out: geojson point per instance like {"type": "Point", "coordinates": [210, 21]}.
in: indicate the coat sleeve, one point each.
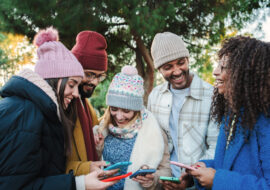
{"type": "Point", "coordinates": [80, 167]}
{"type": "Point", "coordinates": [209, 164]}
{"type": "Point", "coordinates": [164, 168]}
{"type": "Point", "coordinates": [231, 180]}
{"type": "Point", "coordinates": [21, 152]}
{"type": "Point", "coordinates": [211, 140]}
{"type": "Point", "coordinates": [149, 102]}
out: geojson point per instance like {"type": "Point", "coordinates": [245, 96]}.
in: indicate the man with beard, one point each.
{"type": "Point", "coordinates": [90, 50]}
{"type": "Point", "coordinates": [181, 106]}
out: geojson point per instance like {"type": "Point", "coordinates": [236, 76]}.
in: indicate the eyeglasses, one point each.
{"type": "Point", "coordinates": [91, 76]}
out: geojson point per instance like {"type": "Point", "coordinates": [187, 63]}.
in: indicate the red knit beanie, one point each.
{"type": "Point", "coordinates": [90, 50]}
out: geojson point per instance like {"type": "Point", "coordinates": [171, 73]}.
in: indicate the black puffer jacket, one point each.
{"type": "Point", "coordinates": [31, 136]}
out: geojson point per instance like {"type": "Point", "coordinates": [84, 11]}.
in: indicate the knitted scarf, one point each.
{"type": "Point", "coordinates": [86, 124]}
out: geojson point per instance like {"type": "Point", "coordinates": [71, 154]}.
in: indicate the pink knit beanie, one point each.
{"type": "Point", "coordinates": [54, 59]}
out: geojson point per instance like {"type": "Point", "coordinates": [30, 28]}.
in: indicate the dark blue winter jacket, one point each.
{"type": "Point", "coordinates": [31, 137]}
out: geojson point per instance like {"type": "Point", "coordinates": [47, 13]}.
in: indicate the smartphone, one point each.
{"type": "Point", "coordinates": [181, 165]}
{"type": "Point", "coordinates": [172, 179]}
{"type": "Point", "coordinates": [117, 165]}
{"type": "Point", "coordinates": [142, 172]}
{"type": "Point", "coordinates": [117, 177]}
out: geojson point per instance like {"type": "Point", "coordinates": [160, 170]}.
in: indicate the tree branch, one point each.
{"type": "Point", "coordinates": [126, 43]}
{"type": "Point", "coordinates": [117, 24]}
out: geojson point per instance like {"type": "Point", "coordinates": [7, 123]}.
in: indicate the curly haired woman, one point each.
{"type": "Point", "coordinates": [241, 105]}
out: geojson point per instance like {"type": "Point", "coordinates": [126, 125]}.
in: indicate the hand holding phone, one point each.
{"type": "Point", "coordinates": [171, 179]}
{"type": "Point", "coordinates": [117, 165]}
{"type": "Point", "coordinates": [181, 165]}
{"type": "Point", "coordinates": [142, 172]}
{"type": "Point", "coordinates": [117, 177]}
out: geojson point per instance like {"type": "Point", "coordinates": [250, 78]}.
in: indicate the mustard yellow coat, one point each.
{"type": "Point", "coordinates": [77, 161]}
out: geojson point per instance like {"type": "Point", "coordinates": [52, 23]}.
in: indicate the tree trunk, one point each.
{"type": "Point", "coordinates": [148, 73]}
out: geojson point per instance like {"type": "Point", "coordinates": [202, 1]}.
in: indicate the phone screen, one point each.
{"type": "Point", "coordinates": [117, 165]}
{"type": "Point", "coordinates": [117, 177]}
{"type": "Point", "coordinates": [142, 172]}
{"type": "Point", "coordinates": [172, 179]}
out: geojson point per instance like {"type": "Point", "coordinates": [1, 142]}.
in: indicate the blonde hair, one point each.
{"type": "Point", "coordinates": [107, 119]}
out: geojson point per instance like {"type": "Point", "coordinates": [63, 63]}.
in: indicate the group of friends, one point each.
{"type": "Point", "coordinates": [51, 137]}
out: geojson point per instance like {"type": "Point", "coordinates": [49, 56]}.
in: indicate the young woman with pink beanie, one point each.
{"type": "Point", "coordinates": [37, 115]}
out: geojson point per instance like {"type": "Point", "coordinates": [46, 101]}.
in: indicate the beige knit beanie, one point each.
{"type": "Point", "coordinates": [167, 47]}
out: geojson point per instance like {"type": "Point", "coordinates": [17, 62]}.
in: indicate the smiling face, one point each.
{"type": "Point", "coordinates": [221, 74]}
{"type": "Point", "coordinates": [121, 116]}
{"type": "Point", "coordinates": [89, 84]}
{"type": "Point", "coordinates": [70, 90]}
{"type": "Point", "coordinates": [176, 72]}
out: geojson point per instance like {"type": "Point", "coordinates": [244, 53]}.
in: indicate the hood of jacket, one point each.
{"type": "Point", "coordinates": [29, 85]}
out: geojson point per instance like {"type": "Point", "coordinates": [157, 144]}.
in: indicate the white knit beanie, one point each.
{"type": "Point", "coordinates": [126, 90]}
{"type": "Point", "coordinates": [167, 47]}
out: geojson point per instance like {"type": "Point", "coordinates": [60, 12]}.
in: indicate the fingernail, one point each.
{"type": "Point", "coordinates": [198, 165]}
{"type": "Point", "coordinates": [108, 163]}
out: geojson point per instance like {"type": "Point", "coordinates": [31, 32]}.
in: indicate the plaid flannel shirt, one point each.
{"type": "Point", "coordinates": [197, 134]}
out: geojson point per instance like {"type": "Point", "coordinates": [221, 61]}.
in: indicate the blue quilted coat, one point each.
{"type": "Point", "coordinates": [31, 137]}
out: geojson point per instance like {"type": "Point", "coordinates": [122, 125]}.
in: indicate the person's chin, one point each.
{"type": "Point", "coordinates": [86, 93]}
{"type": "Point", "coordinates": [65, 106]}
{"type": "Point", "coordinates": [121, 124]}
{"type": "Point", "coordinates": [89, 93]}
{"type": "Point", "coordinates": [220, 90]}
{"type": "Point", "coordinates": [179, 86]}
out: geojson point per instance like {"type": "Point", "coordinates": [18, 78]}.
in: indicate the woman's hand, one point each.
{"type": "Point", "coordinates": [99, 139]}
{"type": "Point", "coordinates": [96, 165]}
{"type": "Point", "coordinates": [185, 181]}
{"type": "Point", "coordinates": [145, 181]}
{"type": "Point", "coordinates": [205, 176]}
{"type": "Point", "coordinates": [92, 181]}
{"type": "Point", "coordinates": [199, 165]}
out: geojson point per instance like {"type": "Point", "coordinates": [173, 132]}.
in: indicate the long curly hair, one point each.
{"type": "Point", "coordinates": [248, 85]}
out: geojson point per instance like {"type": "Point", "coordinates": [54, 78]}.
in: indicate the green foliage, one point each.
{"type": "Point", "coordinates": [3, 57]}
{"type": "Point", "coordinates": [201, 24]}
{"type": "Point", "coordinates": [120, 20]}
{"type": "Point", "coordinates": [15, 51]}
{"type": "Point", "coordinates": [3, 60]}
{"type": "Point", "coordinates": [99, 96]}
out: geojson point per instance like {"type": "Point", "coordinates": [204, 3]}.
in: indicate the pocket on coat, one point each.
{"type": "Point", "coordinates": [193, 141]}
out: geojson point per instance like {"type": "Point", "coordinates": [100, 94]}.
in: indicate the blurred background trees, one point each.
{"type": "Point", "coordinates": [130, 25]}
{"type": "Point", "coordinates": [15, 52]}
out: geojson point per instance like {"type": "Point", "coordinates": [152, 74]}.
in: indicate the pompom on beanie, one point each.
{"type": "Point", "coordinates": [54, 59]}
{"type": "Point", "coordinates": [90, 50]}
{"type": "Point", "coordinates": [167, 47]}
{"type": "Point", "coordinates": [126, 90]}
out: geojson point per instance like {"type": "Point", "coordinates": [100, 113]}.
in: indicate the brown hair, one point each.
{"type": "Point", "coordinates": [248, 85]}
{"type": "Point", "coordinates": [69, 115]}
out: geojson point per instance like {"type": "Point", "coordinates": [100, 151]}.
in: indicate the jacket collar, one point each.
{"type": "Point", "coordinates": [225, 157]}
{"type": "Point", "coordinates": [196, 87]}
{"type": "Point", "coordinates": [33, 78]}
